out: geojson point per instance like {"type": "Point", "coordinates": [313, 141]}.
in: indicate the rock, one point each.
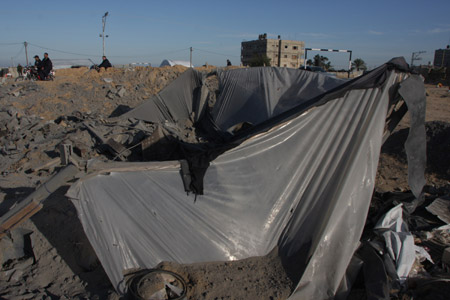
{"type": "Point", "coordinates": [6, 275]}
{"type": "Point", "coordinates": [24, 264]}
{"type": "Point", "coordinates": [107, 80]}
{"type": "Point", "coordinates": [446, 256]}
{"type": "Point", "coordinates": [121, 92]}
{"type": "Point", "coordinates": [16, 276]}
{"type": "Point", "coordinates": [12, 111]}
{"type": "Point", "coordinates": [113, 296]}
{"type": "Point", "coordinates": [13, 247]}
{"type": "Point", "coordinates": [110, 94]}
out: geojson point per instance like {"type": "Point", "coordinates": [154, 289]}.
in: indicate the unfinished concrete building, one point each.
{"type": "Point", "coordinates": [282, 53]}
{"type": "Point", "coordinates": [442, 57]}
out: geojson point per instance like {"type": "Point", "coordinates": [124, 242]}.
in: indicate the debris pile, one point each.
{"type": "Point", "coordinates": [77, 117]}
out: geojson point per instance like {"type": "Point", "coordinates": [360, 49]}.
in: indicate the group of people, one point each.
{"type": "Point", "coordinates": [43, 67]}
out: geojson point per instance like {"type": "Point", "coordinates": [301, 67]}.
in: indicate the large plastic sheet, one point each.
{"type": "Point", "coordinates": [246, 95]}
{"type": "Point", "coordinates": [301, 182]}
{"type": "Point", "coordinates": [174, 103]}
{"type": "Point", "coordinates": [255, 95]}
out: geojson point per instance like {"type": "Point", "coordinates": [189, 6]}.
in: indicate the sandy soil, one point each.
{"type": "Point", "coordinates": [61, 263]}
{"type": "Point", "coordinates": [392, 168]}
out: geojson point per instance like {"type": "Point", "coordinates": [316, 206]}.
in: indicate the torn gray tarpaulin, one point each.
{"type": "Point", "coordinates": [413, 92]}
{"type": "Point", "coordinates": [300, 180]}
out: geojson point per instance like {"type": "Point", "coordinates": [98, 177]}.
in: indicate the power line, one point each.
{"type": "Point", "coordinates": [20, 51]}
{"type": "Point", "coordinates": [129, 56]}
{"type": "Point", "coordinates": [61, 51]}
{"type": "Point", "coordinates": [166, 52]}
{"type": "Point", "coordinates": [113, 56]}
{"type": "Point", "coordinates": [10, 44]}
{"type": "Point", "coordinates": [226, 55]}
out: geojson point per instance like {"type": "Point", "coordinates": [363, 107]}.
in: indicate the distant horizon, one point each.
{"type": "Point", "coordinates": [150, 31]}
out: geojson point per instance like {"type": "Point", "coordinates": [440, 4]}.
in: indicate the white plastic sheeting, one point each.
{"type": "Point", "coordinates": [171, 63]}
{"type": "Point", "coordinates": [301, 182]}
{"type": "Point", "coordinates": [174, 103]}
{"type": "Point", "coordinates": [257, 94]}
{"type": "Point", "coordinates": [247, 95]}
{"type": "Point", "coordinates": [304, 186]}
{"type": "Point", "coordinates": [399, 241]}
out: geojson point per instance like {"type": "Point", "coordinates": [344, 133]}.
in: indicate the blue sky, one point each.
{"type": "Point", "coordinates": [150, 31]}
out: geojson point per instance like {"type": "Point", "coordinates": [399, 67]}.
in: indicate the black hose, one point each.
{"type": "Point", "coordinates": [135, 281]}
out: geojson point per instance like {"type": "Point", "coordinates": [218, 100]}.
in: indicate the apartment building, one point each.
{"type": "Point", "coordinates": [282, 53]}
{"type": "Point", "coordinates": [442, 57]}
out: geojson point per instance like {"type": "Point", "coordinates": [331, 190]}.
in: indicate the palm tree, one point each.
{"type": "Point", "coordinates": [319, 60]}
{"type": "Point", "coordinates": [359, 64]}
{"type": "Point", "coordinates": [322, 61]}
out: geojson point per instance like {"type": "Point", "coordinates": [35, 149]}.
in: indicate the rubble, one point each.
{"type": "Point", "coordinates": [66, 112]}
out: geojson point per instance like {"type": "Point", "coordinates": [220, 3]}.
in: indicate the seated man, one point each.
{"type": "Point", "coordinates": [45, 67]}
{"type": "Point", "coordinates": [105, 64]}
{"type": "Point", "coordinates": [37, 62]}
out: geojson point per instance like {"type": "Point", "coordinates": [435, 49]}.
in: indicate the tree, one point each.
{"type": "Point", "coordinates": [260, 60]}
{"type": "Point", "coordinates": [322, 61]}
{"type": "Point", "coordinates": [359, 64]}
{"type": "Point", "coordinates": [309, 62]}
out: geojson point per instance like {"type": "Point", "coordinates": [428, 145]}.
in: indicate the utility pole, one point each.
{"type": "Point", "coordinates": [102, 35]}
{"type": "Point", "coordinates": [190, 60]}
{"type": "Point", "coordinates": [26, 51]}
{"type": "Point", "coordinates": [415, 56]}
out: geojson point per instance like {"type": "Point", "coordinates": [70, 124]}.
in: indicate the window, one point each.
{"type": "Point", "coordinates": [285, 65]}
{"type": "Point", "coordinates": [295, 47]}
{"type": "Point", "coordinates": [294, 56]}
{"type": "Point", "coordinates": [286, 46]}
{"type": "Point", "coordinates": [285, 56]}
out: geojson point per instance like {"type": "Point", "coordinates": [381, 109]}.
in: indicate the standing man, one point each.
{"type": "Point", "coordinates": [46, 67]}
{"type": "Point", "coordinates": [20, 71]}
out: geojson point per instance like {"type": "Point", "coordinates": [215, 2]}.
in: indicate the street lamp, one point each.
{"type": "Point", "coordinates": [102, 35]}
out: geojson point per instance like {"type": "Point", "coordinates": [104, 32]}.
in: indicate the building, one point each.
{"type": "Point", "coordinates": [442, 57]}
{"type": "Point", "coordinates": [282, 53]}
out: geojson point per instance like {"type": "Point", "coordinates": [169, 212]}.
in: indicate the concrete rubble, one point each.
{"type": "Point", "coordinates": [48, 256]}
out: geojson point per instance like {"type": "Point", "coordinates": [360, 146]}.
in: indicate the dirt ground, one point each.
{"type": "Point", "coordinates": [59, 262]}
{"type": "Point", "coordinates": [392, 168]}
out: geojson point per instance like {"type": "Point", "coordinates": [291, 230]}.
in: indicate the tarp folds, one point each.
{"type": "Point", "coordinates": [255, 95]}
{"type": "Point", "coordinates": [246, 95]}
{"type": "Point", "coordinates": [174, 103]}
{"type": "Point", "coordinates": [300, 179]}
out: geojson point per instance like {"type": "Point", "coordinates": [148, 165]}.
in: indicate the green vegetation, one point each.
{"type": "Point", "coordinates": [260, 60]}
{"type": "Point", "coordinates": [359, 64]}
{"type": "Point", "coordinates": [322, 61]}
